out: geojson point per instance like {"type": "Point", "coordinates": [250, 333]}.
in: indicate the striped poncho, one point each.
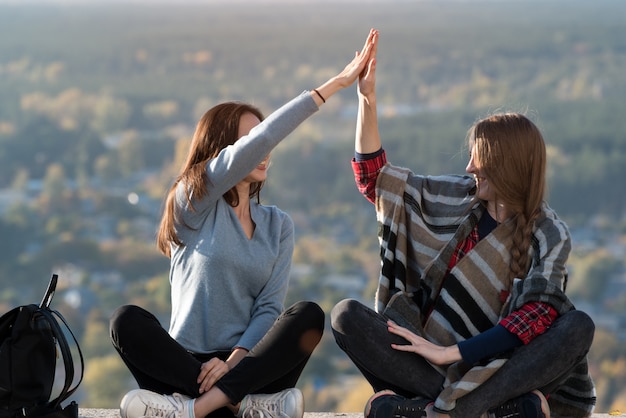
{"type": "Point", "coordinates": [421, 219]}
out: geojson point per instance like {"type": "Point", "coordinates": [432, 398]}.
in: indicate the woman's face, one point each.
{"type": "Point", "coordinates": [246, 123]}
{"type": "Point", "coordinates": [483, 192]}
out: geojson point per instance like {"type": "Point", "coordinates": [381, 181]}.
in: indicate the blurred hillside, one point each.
{"type": "Point", "coordinates": [98, 103]}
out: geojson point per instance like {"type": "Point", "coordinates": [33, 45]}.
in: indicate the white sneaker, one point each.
{"type": "Point", "coordinates": [288, 403]}
{"type": "Point", "coordinates": [140, 403]}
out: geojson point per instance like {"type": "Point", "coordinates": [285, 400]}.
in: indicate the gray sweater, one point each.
{"type": "Point", "coordinates": [227, 290]}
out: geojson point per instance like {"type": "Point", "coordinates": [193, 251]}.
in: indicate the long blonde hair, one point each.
{"type": "Point", "coordinates": [218, 128]}
{"type": "Point", "coordinates": [512, 154]}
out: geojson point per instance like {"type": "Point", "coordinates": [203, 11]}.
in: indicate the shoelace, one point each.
{"type": "Point", "coordinates": [404, 408]}
{"type": "Point", "coordinates": [403, 411]}
{"type": "Point", "coordinates": [267, 406]}
{"type": "Point", "coordinates": [164, 410]}
{"type": "Point", "coordinates": [271, 407]}
{"type": "Point", "coordinates": [507, 411]}
{"type": "Point", "coordinates": [510, 409]}
{"type": "Point", "coordinates": [509, 414]}
{"type": "Point", "coordinates": [257, 412]}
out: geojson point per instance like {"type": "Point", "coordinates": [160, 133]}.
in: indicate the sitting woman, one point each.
{"type": "Point", "coordinates": [471, 316]}
{"type": "Point", "coordinates": [231, 349]}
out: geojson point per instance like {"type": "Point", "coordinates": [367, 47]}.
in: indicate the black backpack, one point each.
{"type": "Point", "coordinates": [33, 351]}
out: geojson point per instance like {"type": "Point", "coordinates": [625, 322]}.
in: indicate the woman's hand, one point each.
{"type": "Point", "coordinates": [214, 369]}
{"type": "Point", "coordinates": [360, 62]}
{"type": "Point", "coordinates": [350, 73]}
{"type": "Point", "coordinates": [367, 78]}
{"type": "Point", "coordinates": [211, 372]}
{"type": "Point", "coordinates": [434, 353]}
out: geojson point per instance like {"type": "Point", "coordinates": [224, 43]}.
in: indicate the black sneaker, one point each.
{"type": "Point", "coordinates": [529, 405]}
{"type": "Point", "coordinates": [388, 404]}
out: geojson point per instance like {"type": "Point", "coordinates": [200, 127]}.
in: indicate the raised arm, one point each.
{"type": "Point", "coordinates": [367, 138]}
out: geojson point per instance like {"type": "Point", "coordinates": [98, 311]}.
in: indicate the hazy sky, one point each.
{"type": "Point", "coordinates": [186, 1]}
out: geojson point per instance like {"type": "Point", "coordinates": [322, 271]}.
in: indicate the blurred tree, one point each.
{"type": "Point", "coordinates": [357, 396]}
{"type": "Point", "coordinates": [55, 191]}
{"type": "Point", "coordinates": [136, 261]}
{"type": "Point", "coordinates": [153, 294]}
{"type": "Point", "coordinates": [130, 154]}
{"type": "Point", "coordinates": [605, 345]}
{"type": "Point", "coordinates": [162, 112]}
{"type": "Point", "coordinates": [20, 181]}
{"type": "Point", "coordinates": [71, 251]}
{"type": "Point", "coordinates": [106, 169]}
{"type": "Point", "coordinates": [591, 273]}
{"type": "Point", "coordinates": [54, 182]}
{"type": "Point", "coordinates": [96, 342]}
{"type": "Point", "coordinates": [110, 115]}
{"type": "Point", "coordinates": [106, 381]}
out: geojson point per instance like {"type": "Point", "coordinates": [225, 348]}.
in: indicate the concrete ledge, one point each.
{"type": "Point", "coordinates": [115, 413]}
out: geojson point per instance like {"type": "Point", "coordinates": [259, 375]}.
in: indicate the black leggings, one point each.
{"type": "Point", "coordinates": [542, 364]}
{"type": "Point", "coordinates": [162, 365]}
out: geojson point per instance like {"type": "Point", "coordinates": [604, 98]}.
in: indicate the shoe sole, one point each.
{"type": "Point", "coordinates": [368, 405]}
{"type": "Point", "coordinates": [299, 402]}
{"type": "Point", "coordinates": [545, 408]}
{"type": "Point", "coordinates": [125, 401]}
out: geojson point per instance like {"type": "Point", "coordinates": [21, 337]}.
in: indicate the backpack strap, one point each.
{"type": "Point", "coordinates": [47, 298]}
{"type": "Point", "coordinates": [51, 317]}
{"type": "Point", "coordinates": [67, 390]}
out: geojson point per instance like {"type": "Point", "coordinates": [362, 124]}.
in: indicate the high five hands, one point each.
{"type": "Point", "coordinates": [359, 65]}
{"type": "Point", "coordinates": [362, 60]}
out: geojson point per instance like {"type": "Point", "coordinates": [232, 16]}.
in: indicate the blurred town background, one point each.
{"type": "Point", "coordinates": [98, 101]}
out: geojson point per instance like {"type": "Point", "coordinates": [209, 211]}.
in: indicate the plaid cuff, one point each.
{"type": "Point", "coordinates": [366, 172]}
{"type": "Point", "coordinates": [530, 320]}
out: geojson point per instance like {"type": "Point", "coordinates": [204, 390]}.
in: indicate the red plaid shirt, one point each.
{"type": "Point", "coordinates": [531, 320]}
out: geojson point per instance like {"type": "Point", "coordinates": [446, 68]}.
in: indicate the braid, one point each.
{"type": "Point", "coordinates": [522, 234]}
{"type": "Point", "coordinates": [521, 241]}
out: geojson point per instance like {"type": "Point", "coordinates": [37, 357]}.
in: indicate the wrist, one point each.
{"type": "Point", "coordinates": [369, 98]}
{"type": "Point", "coordinates": [452, 354]}
{"type": "Point", "coordinates": [319, 95]}
{"type": "Point", "coordinates": [340, 82]}
{"type": "Point", "coordinates": [330, 87]}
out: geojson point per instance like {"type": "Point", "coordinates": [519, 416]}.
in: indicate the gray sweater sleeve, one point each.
{"type": "Point", "coordinates": [236, 161]}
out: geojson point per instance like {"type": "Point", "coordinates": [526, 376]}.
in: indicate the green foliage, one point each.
{"type": "Point", "coordinates": [609, 363]}
{"type": "Point", "coordinates": [597, 268]}
{"type": "Point", "coordinates": [106, 380]}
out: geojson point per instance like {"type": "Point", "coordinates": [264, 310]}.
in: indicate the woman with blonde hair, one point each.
{"type": "Point", "coordinates": [471, 317]}
{"type": "Point", "coordinates": [231, 348]}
